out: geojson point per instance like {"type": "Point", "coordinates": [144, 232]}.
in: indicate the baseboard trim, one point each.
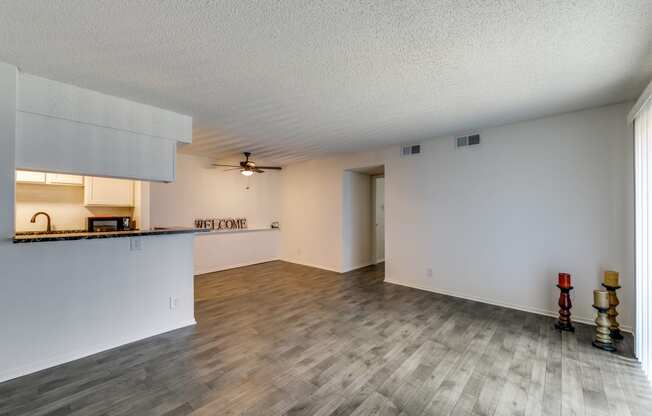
{"type": "Point", "coordinates": [315, 266]}
{"type": "Point", "coordinates": [553, 314]}
{"type": "Point", "coordinates": [59, 359]}
{"type": "Point", "coordinates": [233, 266]}
{"type": "Point", "coordinates": [360, 266]}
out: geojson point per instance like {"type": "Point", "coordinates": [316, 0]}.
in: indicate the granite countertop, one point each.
{"type": "Point", "coordinates": [63, 235]}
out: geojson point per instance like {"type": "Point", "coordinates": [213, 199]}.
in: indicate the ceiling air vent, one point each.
{"type": "Point", "coordinates": [472, 140]}
{"type": "Point", "coordinates": [410, 149]}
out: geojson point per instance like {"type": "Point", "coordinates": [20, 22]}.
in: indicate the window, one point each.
{"type": "Point", "coordinates": [643, 189]}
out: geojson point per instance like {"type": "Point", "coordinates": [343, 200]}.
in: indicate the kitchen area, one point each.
{"type": "Point", "coordinates": [54, 206]}
{"type": "Point", "coordinates": [53, 203]}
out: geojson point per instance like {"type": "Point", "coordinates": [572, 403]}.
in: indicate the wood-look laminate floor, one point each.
{"type": "Point", "coordinates": [278, 338]}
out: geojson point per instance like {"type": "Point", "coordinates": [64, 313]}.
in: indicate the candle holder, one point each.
{"type": "Point", "coordinates": [564, 323]}
{"type": "Point", "coordinates": [612, 313]}
{"type": "Point", "coordinates": [602, 333]}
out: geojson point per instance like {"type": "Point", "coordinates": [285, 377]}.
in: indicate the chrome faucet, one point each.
{"type": "Point", "coordinates": [33, 220]}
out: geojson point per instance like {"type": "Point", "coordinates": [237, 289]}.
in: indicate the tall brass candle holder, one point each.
{"type": "Point", "coordinates": [602, 333]}
{"type": "Point", "coordinates": [612, 313]}
{"type": "Point", "coordinates": [612, 283]}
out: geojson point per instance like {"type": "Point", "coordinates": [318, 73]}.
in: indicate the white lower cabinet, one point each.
{"type": "Point", "coordinates": [108, 192]}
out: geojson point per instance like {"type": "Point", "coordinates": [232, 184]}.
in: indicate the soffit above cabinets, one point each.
{"type": "Point", "coordinates": [45, 97]}
{"type": "Point", "coordinates": [66, 129]}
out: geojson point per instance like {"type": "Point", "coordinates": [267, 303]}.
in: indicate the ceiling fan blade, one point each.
{"type": "Point", "coordinates": [259, 171]}
{"type": "Point", "coordinates": [225, 166]}
{"type": "Point", "coordinates": [270, 167]}
{"type": "Point", "coordinates": [227, 170]}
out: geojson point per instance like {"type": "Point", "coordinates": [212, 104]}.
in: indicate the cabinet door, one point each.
{"type": "Point", "coordinates": [24, 176]}
{"type": "Point", "coordinates": [61, 179]}
{"type": "Point", "coordinates": [108, 192]}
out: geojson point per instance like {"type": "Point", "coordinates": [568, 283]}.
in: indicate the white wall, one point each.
{"type": "Point", "coordinates": [357, 218]}
{"type": "Point", "coordinates": [499, 221]}
{"type": "Point", "coordinates": [214, 252]}
{"type": "Point", "coordinates": [311, 208]}
{"type": "Point", "coordinates": [201, 191]}
{"type": "Point", "coordinates": [64, 204]}
{"type": "Point", "coordinates": [495, 223]}
{"type": "Point", "coordinates": [8, 86]}
{"type": "Point", "coordinates": [141, 204]}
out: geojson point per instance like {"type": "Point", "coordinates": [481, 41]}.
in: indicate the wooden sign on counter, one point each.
{"type": "Point", "coordinates": [221, 223]}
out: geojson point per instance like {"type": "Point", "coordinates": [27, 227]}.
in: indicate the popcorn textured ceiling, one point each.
{"type": "Point", "coordinates": [293, 80]}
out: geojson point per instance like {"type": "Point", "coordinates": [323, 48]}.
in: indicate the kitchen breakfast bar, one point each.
{"type": "Point", "coordinates": [37, 237]}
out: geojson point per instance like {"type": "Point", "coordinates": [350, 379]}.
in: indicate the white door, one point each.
{"type": "Point", "coordinates": [379, 215]}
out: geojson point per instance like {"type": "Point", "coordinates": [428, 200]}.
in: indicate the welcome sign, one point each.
{"type": "Point", "coordinates": [221, 223]}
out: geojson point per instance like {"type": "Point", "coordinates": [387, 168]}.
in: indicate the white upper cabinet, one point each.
{"type": "Point", "coordinates": [61, 179]}
{"type": "Point", "coordinates": [24, 176]}
{"type": "Point", "coordinates": [108, 192]}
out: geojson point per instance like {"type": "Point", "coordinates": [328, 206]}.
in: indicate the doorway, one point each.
{"type": "Point", "coordinates": [378, 195]}
{"type": "Point", "coordinates": [363, 217]}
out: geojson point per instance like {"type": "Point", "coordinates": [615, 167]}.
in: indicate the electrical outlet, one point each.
{"type": "Point", "coordinates": [136, 243]}
{"type": "Point", "coordinates": [298, 252]}
{"type": "Point", "coordinates": [174, 302]}
{"type": "Point", "coordinates": [429, 272]}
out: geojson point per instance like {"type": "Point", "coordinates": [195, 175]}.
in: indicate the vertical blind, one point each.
{"type": "Point", "coordinates": [643, 185]}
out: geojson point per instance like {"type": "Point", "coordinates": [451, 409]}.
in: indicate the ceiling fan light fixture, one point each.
{"type": "Point", "coordinates": [247, 172]}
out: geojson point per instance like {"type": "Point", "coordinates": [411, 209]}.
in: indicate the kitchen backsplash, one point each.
{"type": "Point", "coordinates": [64, 204]}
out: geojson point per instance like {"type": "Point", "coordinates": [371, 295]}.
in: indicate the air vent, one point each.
{"type": "Point", "coordinates": [410, 149]}
{"type": "Point", "coordinates": [471, 140]}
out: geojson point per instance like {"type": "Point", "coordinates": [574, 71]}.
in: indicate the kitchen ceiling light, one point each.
{"type": "Point", "coordinates": [247, 172]}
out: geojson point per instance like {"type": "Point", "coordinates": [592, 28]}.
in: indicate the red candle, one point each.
{"type": "Point", "coordinates": [564, 280]}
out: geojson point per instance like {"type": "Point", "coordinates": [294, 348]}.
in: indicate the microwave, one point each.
{"type": "Point", "coordinates": [98, 224]}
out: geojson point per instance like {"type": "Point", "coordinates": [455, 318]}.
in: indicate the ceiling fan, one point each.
{"type": "Point", "coordinates": [248, 167]}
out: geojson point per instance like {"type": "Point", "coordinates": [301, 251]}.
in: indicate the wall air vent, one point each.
{"type": "Point", "coordinates": [472, 140]}
{"type": "Point", "coordinates": [410, 149]}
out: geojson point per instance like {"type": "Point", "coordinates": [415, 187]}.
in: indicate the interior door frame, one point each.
{"type": "Point", "coordinates": [376, 258]}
